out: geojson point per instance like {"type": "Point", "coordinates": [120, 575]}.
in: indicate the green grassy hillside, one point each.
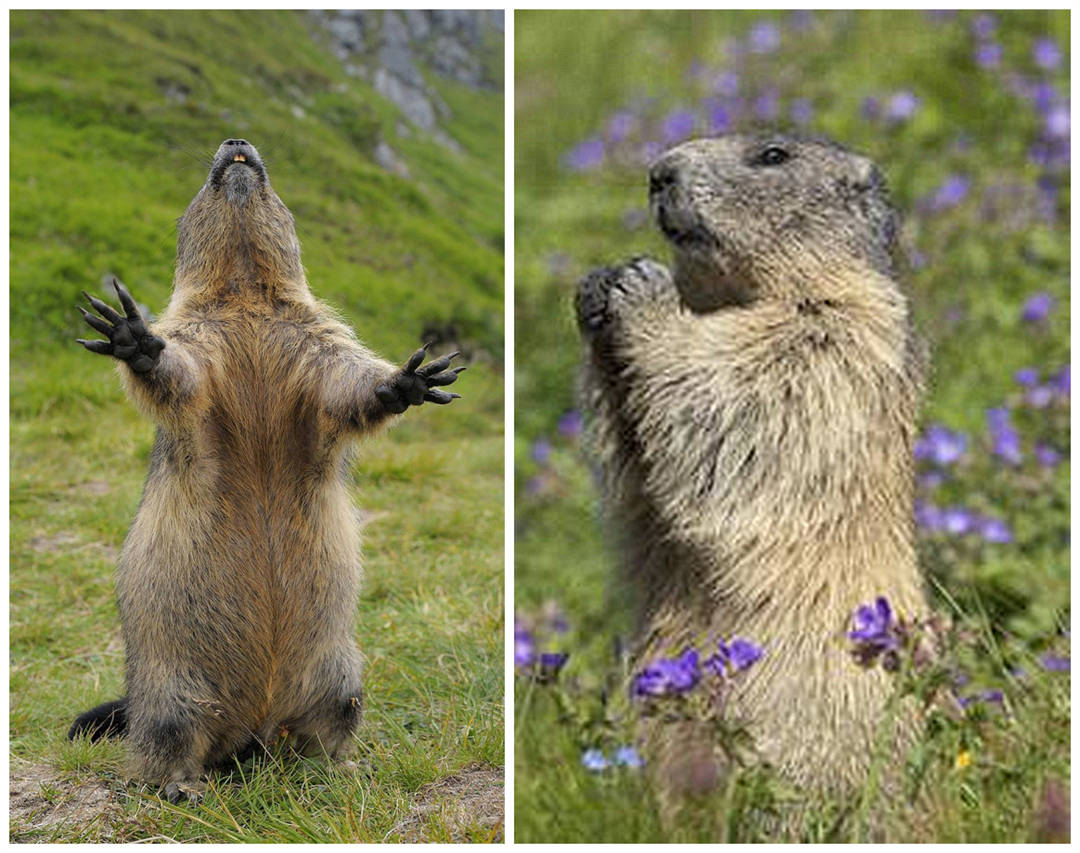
{"type": "Point", "coordinates": [968, 115]}
{"type": "Point", "coordinates": [114, 117]}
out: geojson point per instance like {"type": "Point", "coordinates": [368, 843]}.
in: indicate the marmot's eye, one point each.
{"type": "Point", "coordinates": [774, 155]}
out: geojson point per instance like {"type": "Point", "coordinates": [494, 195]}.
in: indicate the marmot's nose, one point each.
{"type": "Point", "coordinates": [663, 175]}
{"type": "Point", "coordinates": [235, 142]}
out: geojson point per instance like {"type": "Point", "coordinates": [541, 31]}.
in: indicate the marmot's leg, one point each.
{"type": "Point", "coordinates": [170, 741]}
{"type": "Point", "coordinates": [333, 715]}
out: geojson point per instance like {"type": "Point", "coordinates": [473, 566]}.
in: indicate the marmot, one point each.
{"type": "Point", "coordinates": [237, 583]}
{"type": "Point", "coordinates": [752, 416]}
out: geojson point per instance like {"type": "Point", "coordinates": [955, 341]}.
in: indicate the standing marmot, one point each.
{"type": "Point", "coordinates": [753, 416]}
{"type": "Point", "coordinates": [238, 580]}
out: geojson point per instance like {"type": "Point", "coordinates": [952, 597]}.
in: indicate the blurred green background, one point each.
{"type": "Point", "coordinates": [968, 115]}
{"type": "Point", "coordinates": [114, 119]}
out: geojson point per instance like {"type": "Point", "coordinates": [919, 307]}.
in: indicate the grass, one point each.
{"type": "Point", "coordinates": [103, 162]}
{"type": "Point", "coordinates": [974, 262]}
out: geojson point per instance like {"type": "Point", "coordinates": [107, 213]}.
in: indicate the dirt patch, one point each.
{"type": "Point", "coordinates": [470, 800]}
{"type": "Point", "coordinates": [39, 802]}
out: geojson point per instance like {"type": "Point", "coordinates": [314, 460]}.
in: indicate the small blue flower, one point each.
{"type": "Point", "coordinates": [995, 531]}
{"type": "Point", "coordinates": [950, 193]}
{"type": "Point", "coordinates": [1037, 308]}
{"type": "Point", "coordinates": [1048, 457]}
{"type": "Point", "coordinates": [524, 647]}
{"type": "Point", "coordinates": [541, 451]}
{"type": "Point", "coordinates": [1027, 376]}
{"type": "Point", "coordinates": [988, 55]}
{"type": "Point", "coordinates": [552, 662]}
{"type": "Point", "coordinates": [1061, 382]}
{"type": "Point", "coordinates": [957, 520]}
{"type": "Point", "coordinates": [767, 105]}
{"type": "Point", "coordinates": [627, 756]}
{"type": "Point", "coordinates": [764, 37]}
{"type": "Point", "coordinates": [928, 516]}
{"type": "Point", "coordinates": [1005, 438]}
{"type": "Point", "coordinates": [1047, 54]}
{"type": "Point", "coordinates": [984, 25]}
{"type": "Point", "coordinates": [593, 759]}
{"type": "Point", "coordinates": [1055, 663]}
{"type": "Point", "coordinates": [586, 156]}
{"type": "Point", "coordinates": [726, 84]}
{"type": "Point", "coordinates": [620, 126]}
{"type": "Point", "coordinates": [940, 445]}
{"type": "Point", "coordinates": [570, 424]}
{"type": "Point", "coordinates": [873, 625]}
{"type": "Point", "coordinates": [902, 106]}
{"type": "Point", "coordinates": [678, 126]}
{"type": "Point", "coordinates": [669, 676]}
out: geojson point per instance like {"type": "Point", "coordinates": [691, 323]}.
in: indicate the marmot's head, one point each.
{"type": "Point", "coordinates": [746, 211]}
{"type": "Point", "coordinates": [235, 221]}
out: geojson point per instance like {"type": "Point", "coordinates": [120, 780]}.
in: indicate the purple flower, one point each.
{"type": "Point", "coordinates": [627, 756]}
{"type": "Point", "coordinates": [1027, 376]}
{"type": "Point", "coordinates": [928, 516]}
{"type": "Point", "coordinates": [551, 663]}
{"type": "Point", "coordinates": [586, 156]}
{"type": "Point", "coordinates": [726, 84]}
{"type": "Point", "coordinates": [570, 424]}
{"type": "Point", "coordinates": [1055, 663]}
{"type": "Point", "coordinates": [764, 37]}
{"type": "Point", "coordinates": [957, 520]}
{"type": "Point", "coordinates": [620, 126]}
{"type": "Point", "coordinates": [1058, 121]}
{"type": "Point", "coordinates": [870, 108]}
{"type": "Point", "coordinates": [990, 696]}
{"type": "Point", "coordinates": [802, 20]}
{"type": "Point", "coordinates": [901, 106]}
{"type": "Point", "coordinates": [541, 451]}
{"type": "Point", "coordinates": [984, 26]}
{"type": "Point", "coordinates": [873, 625]}
{"type": "Point", "coordinates": [767, 105]}
{"type": "Point", "coordinates": [930, 480]}
{"type": "Point", "coordinates": [940, 445]}
{"type": "Point", "coordinates": [1046, 53]}
{"type": "Point", "coordinates": [1047, 456]}
{"type": "Point", "coordinates": [719, 118]}
{"type": "Point", "coordinates": [995, 531]}
{"type": "Point", "coordinates": [1039, 397]}
{"type": "Point", "coordinates": [524, 647]}
{"type": "Point", "coordinates": [740, 655]}
{"type": "Point", "coordinates": [669, 675]}
{"type": "Point", "coordinates": [593, 759]}
{"type": "Point", "coordinates": [678, 126]}
{"type": "Point", "coordinates": [988, 55]}
{"type": "Point", "coordinates": [1060, 381]}
{"type": "Point", "coordinates": [1004, 436]}
{"type": "Point", "coordinates": [950, 193]}
{"type": "Point", "coordinates": [801, 111]}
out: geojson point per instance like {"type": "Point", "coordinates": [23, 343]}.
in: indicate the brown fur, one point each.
{"type": "Point", "coordinates": [753, 417]}
{"type": "Point", "coordinates": [238, 581]}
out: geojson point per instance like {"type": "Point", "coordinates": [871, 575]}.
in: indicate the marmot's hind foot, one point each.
{"type": "Point", "coordinates": [607, 292]}
{"type": "Point", "coordinates": [128, 338]}
{"type": "Point", "coordinates": [176, 792]}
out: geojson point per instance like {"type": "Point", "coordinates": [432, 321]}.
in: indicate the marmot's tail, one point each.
{"type": "Point", "coordinates": [103, 721]}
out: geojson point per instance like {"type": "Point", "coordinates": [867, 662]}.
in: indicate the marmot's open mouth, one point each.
{"type": "Point", "coordinates": [685, 232]}
{"type": "Point", "coordinates": [239, 158]}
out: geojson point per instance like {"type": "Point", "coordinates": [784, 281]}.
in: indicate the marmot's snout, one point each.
{"type": "Point", "coordinates": [240, 158]}
{"type": "Point", "coordinates": [672, 206]}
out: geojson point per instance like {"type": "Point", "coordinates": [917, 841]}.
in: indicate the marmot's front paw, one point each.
{"type": "Point", "coordinates": [128, 338]}
{"type": "Point", "coordinates": [413, 384]}
{"type": "Point", "coordinates": [605, 293]}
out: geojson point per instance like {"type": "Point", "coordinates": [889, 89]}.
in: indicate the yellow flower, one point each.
{"type": "Point", "coordinates": [963, 759]}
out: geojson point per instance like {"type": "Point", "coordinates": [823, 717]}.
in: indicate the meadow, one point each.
{"type": "Point", "coordinates": [114, 119]}
{"type": "Point", "coordinates": [968, 115]}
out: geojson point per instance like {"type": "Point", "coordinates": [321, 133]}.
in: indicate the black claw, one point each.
{"type": "Point", "coordinates": [102, 308]}
{"type": "Point", "coordinates": [434, 395]}
{"type": "Point", "coordinates": [438, 365]}
{"type": "Point", "coordinates": [95, 323]}
{"type": "Point", "coordinates": [101, 347]}
{"type": "Point", "coordinates": [126, 301]}
{"type": "Point", "coordinates": [447, 378]}
{"type": "Point", "coordinates": [416, 358]}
